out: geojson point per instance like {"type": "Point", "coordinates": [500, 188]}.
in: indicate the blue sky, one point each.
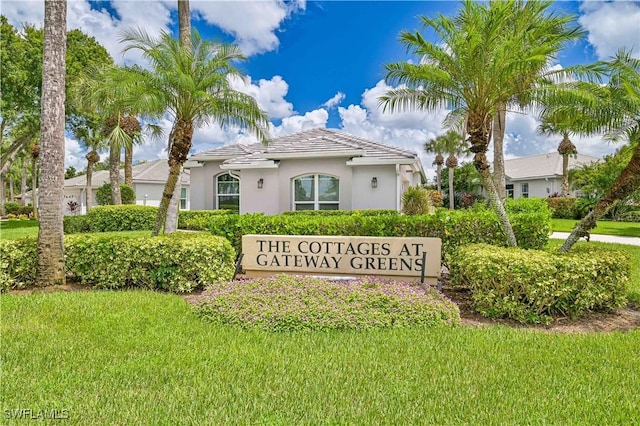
{"type": "Point", "coordinates": [320, 64]}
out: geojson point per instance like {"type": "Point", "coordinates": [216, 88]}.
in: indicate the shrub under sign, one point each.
{"type": "Point", "coordinates": [337, 255]}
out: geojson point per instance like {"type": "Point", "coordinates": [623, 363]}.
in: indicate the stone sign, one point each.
{"type": "Point", "coordinates": [393, 257]}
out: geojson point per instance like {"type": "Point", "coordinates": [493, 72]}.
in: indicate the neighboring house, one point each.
{"type": "Point", "coordinates": [319, 169]}
{"type": "Point", "coordinates": [539, 175]}
{"type": "Point", "coordinates": [149, 180]}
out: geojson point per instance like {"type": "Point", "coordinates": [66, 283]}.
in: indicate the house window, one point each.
{"type": "Point", "coordinates": [316, 192]}
{"type": "Point", "coordinates": [227, 193]}
{"type": "Point", "coordinates": [183, 198]}
{"type": "Point", "coordinates": [509, 189]}
{"type": "Point", "coordinates": [525, 190]}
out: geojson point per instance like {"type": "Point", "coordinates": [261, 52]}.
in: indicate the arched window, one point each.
{"type": "Point", "coordinates": [227, 192]}
{"type": "Point", "coordinates": [316, 192]}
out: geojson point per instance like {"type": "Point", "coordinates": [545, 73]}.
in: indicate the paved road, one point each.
{"type": "Point", "coordinates": [632, 241]}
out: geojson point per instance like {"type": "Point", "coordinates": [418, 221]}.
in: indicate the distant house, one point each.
{"type": "Point", "coordinates": [319, 169]}
{"type": "Point", "coordinates": [539, 175]}
{"type": "Point", "coordinates": [149, 180]}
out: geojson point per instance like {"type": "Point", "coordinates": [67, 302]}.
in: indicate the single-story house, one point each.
{"type": "Point", "coordinates": [540, 175]}
{"type": "Point", "coordinates": [149, 179]}
{"type": "Point", "coordinates": [318, 169]}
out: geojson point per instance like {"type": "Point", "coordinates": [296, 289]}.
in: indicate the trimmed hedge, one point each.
{"type": "Point", "coordinates": [563, 207]}
{"type": "Point", "coordinates": [533, 286]}
{"type": "Point", "coordinates": [179, 263]}
{"type": "Point", "coordinates": [198, 219]}
{"type": "Point", "coordinates": [13, 208]}
{"type": "Point", "coordinates": [454, 228]}
{"type": "Point", "coordinates": [113, 219]}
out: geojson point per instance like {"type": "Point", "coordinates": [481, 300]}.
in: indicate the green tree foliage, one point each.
{"type": "Point", "coordinates": [415, 200]}
{"type": "Point", "coordinates": [70, 172]}
{"type": "Point", "coordinates": [103, 195]}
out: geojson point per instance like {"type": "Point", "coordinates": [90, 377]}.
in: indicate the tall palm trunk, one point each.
{"type": "Point", "coordinates": [180, 143]}
{"type": "Point", "coordinates": [565, 175]}
{"type": "Point", "coordinates": [499, 123]}
{"type": "Point", "coordinates": [128, 165]}
{"type": "Point", "coordinates": [625, 184]}
{"type": "Point", "coordinates": [452, 204]}
{"type": "Point", "coordinates": [92, 159]}
{"type": "Point", "coordinates": [478, 129]}
{"type": "Point", "coordinates": [3, 194]}
{"type": "Point", "coordinates": [50, 235]}
{"type": "Point", "coordinates": [23, 181]}
{"type": "Point", "coordinates": [439, 177]}
{"type": "Point", "coordinates": [12, 189]}
{"type": "Point", "coordinates": [114, 174]}
{"type": "Point", "coordinates": [184, 19]}
{"type": "Point", "coordinates": [35, 155]}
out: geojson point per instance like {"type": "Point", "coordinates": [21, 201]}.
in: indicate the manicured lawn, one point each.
{"type": "Point", "coordinates": [12, 229]}
{"type": "Point", "coordinates": [629, 229]}
{"type": "Point", "coordinates": [145, 358]}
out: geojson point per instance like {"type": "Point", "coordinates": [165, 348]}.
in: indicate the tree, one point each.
{"type": "Point", "coordinates": [432, 147]}
{"type": "Point", "coordinates": [50, 236]}
{"type": "Point", "coordinates": [554, 125]}
{"type": "Point", "coordinates": [70, 172]}
{"type": "Point", "coordinates": [472, 70]}
{"type": "Point", "coordinates": [122, 131]}
{"type": "Point", "coordinates": [192, 86]}
{"type": "Point", "coordinates": [450, 143]}
{"type": "Point", "coordinates": [614, 109]}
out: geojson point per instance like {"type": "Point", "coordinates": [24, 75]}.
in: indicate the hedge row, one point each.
{"type": "Point", "coordinates": [12, 208]}
{"type": "Point", "coordinates": [454, 228]}
{"type": "Point", "coordinates": [133, 218]}
{"type": "Point", "coordinates": [364, 212]}
{"type": "Point", "coordinates": [563, 207]}
{"type": "Point", "coordinates": [533, 286]}
{"type": "Point", "coordinates": [178, 263]}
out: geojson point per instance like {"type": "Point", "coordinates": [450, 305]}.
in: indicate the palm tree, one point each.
{"type": "Point", "coordinates": [432, 147]}
{"type": "Point", "coordinates": [566, 148]}
{"type": "Point", "coordinates": [471, 70]}
{"type": "Point", "coordinates": [191, 85]}
{"type": "Point", "coordinates": [123, 131]}
{"type": "Point", "coordinates": [88, 131]}
{"type": "Point", "coordinates": [614, 109]}
{"type": "Point", "coordinates": [50, 236]}
{"type": "Point", "coordinates": [452, 144]}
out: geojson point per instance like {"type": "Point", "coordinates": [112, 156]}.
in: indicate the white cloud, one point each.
{"type": "Point", "coordinates": [268, 93]}
{"type": "Point", "coordinates": [298, 123]}
{"type": "Point", "coordinates": [335, 100]}
{"type": "Point", "coordinates": [74, 155]}
{"type": "Point", "coordinates": [252, 23]}
{"type": "Point", "coordinates": [612, 25]}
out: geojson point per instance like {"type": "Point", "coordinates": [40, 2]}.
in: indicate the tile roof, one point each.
{"type": "Point", "coordinates": [306, 143]}
{"type": "Point", "coordinates": [155, 172]}
{"type": "Point", "coordinates": [543, 165]}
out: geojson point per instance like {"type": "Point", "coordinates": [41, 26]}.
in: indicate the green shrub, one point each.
{"type": "Point", "coordinates": [122, 218]}
{"type": "Point", "coordinates": [437, 200]}
{"type": "Point", "coordinates": [198, 220]}
{"type": "Point", "coordinates": [294, 303]}
{"type": "Point", "coordinates": [455, 228]}
{"type": "Point", "coordinates": [562, 207]}
{"type": "Point", "coordinates": [13, 208]}
{"type": "Point", "coordinates": [18, 263]}
{"type": "Point", "coordinates": [103, 194]}
{"type": "Point", "coordinates": [415, 200]}
{"type": "Point", "coordinates": [76, 224]}
{"type": "Point", "coordinates": [632, 216]}
{"type": "Point", "coordinates": [178, 263]}
{"type": "Point", "coordinates": [533, 286]}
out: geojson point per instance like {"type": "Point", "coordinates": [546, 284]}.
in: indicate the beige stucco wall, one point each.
{"type": "Point", "coordinates": [537, 187]}
{"type": "Point", "coordinates": [276, 196]}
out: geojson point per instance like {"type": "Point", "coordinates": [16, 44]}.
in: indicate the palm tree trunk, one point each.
{"type": "Point", "coordinates": [3, 194]}
{"type": "Point", "coordinates": [128, 165]}
{"type": "Point", "coordinates": [91, 161]}
{"type": "Point", "coordinates": [184, 23]}
{"type": "Point", "coordinates": [50, 235]}
{"type": "Point", "coordinates": [499, 123]}
{"type": "Point", "coordinates": [114, 175]}
{"type": "Point", "coordinates": [439, 177]}
{"type": "Point", "coordinates": [171, 224]}
{"type": "Point", "coordinates": [34, 186]}
{"type": "Point", "coordinates": [23, 181]}
{"type": "Point", "coordinates": [623, 186]}
{"type": "Point", "coordinates": [565, 175]}
{"type": "Point", "coordinates": [180, 143]}
{"type": "Point", "coordinates": [452, 204]}
{"type": "Point", "coordinates": [12, 189]}
{"type": "Point", "coordinates": [478, 129]}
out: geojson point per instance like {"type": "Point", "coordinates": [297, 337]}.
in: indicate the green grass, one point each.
{"type": "Point", "coordinates": [13, 229]}
{"type": "Point", "coordinates": [634, 257]}
{"type": "Point", "coordinates": [145, 358]}
{"type": "Point", "coordinates": [628, 229]}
